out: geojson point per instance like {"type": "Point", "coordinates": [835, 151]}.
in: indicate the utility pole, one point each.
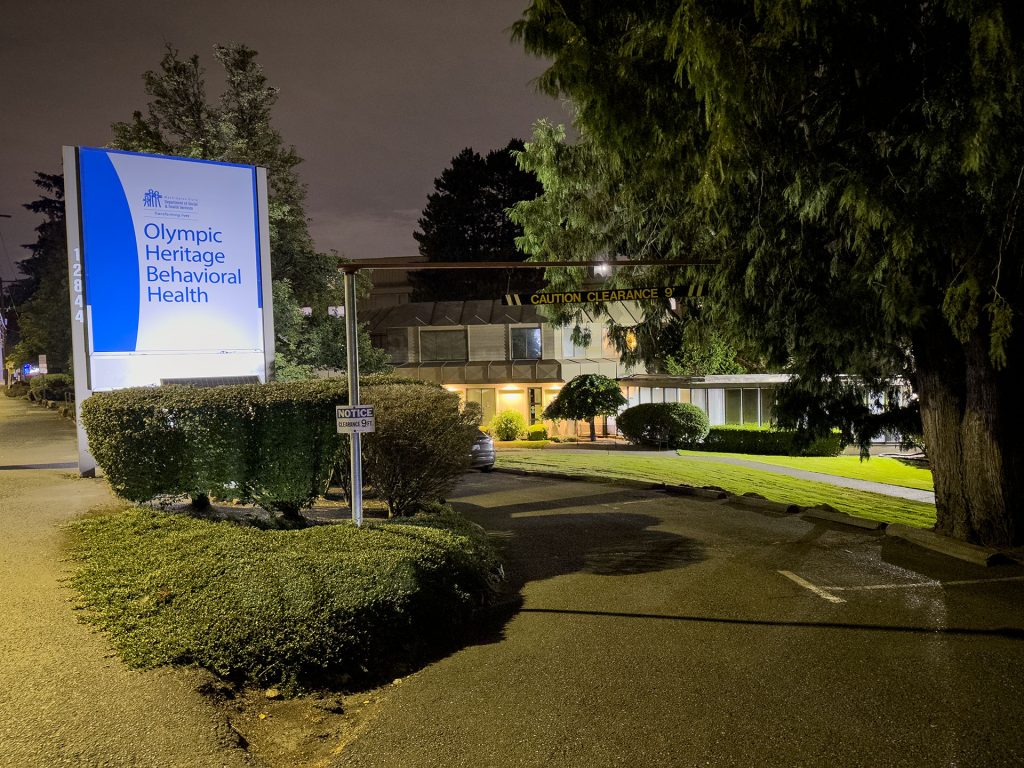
{"type": "Point", "coordinates": [3, 317]}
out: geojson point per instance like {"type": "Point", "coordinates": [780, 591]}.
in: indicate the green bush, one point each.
{"type": "Point", "coordinates": [273, 444]}
{"type": "Point", "coordinates": [765, 441]}
{"type": "Point", "coordinates": [52, 386]}
{"type": "Point", "coordinates": [536, 432]}
{"type": "Point", "coordinates": [508, 425]}
{"type": "Point", "coordinates": [421, 445]}
{"type": "Point", "coordinates": [302, 607]}
{"type": "Point", "coordinates": [276, 444]}
{"type": "Point", "coordinates": [668, 425]}
{"type": "Point", "coordinates": [17, 389]}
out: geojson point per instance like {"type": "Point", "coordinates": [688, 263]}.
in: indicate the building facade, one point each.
{"type": "Point", "coordinates": [511, 358]}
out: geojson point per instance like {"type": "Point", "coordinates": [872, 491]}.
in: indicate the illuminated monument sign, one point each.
{"type": "Point", "coordinates": [169, 263]}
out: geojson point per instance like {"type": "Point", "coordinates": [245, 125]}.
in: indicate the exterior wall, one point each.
{"type": "Point", "coordinates": [744, 404]}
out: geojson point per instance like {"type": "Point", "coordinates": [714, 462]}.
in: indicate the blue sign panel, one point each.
{"type": "Point", "coordinates": [172, 267]}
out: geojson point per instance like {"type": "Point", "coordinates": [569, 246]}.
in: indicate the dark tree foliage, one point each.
{"type": "Point", "coordinates": [585, 398]}
{"type": "Point", "coordinates": [179, 121]}
{"type": "Point", "coordinates": [465, 220]}
{"type": "Point", "coordinates": [44, 318]}
{"type": "Point", "coordinates": [855, 169]}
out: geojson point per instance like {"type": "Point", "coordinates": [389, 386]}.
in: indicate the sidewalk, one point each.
{"type": "Point", "coordinates": [65, 699]}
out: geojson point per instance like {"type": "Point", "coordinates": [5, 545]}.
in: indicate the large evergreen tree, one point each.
{"type": "Point", "coordinates": [180, 121]}
{"type": "Point", "coordinates": [464, 220]}
{"type": "Point", "coordinates": [44, 316]}
{"type": "Point", "coordinates": [589, 210]}
{"type": "Point", "coordinates": [855, 169]}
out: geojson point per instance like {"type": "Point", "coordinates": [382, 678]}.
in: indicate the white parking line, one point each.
{"type": "Point", "coordinates": [815, 589]}
{"type": "Point", "coordinates": [917, 584]}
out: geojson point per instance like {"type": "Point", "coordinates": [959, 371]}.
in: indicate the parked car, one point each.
{"type": "Point", "coordinates": [482, 454]}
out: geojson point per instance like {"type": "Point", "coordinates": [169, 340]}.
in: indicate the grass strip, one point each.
{"type": "Point", "coordinates": [877, 469]}
{"type": "Point", "coordinates": [305, 607]}
{"type": "Point", "coordinates": [737, 480]}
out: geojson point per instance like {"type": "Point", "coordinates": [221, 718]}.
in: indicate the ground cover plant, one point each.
{"type": "Point", "coordinates": [877, 469]}
{"type": "Point", "coordinates": [767, 441]}
{"type": "Point", "coordinates": [302, 608]}
{"type": "Point", "coordinates": [738, 480]}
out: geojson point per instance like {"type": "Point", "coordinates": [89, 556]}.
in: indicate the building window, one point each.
{"type": "Point", "coordinates": [442, 346]}
{"type": "Point", "coordinates": [750, 409]}
{"type": "Point", "coordinates": [733, 406]}
{"type": "Point", "coordinates": [568, 348]}
{"type": "Point", "coordinates": [716, 407]}
{"type": "Point", "coordinates": [526, 343]}
{"type": "Point", "coordinates": [486, 400]}
{"type": "Point", "coordinates": [397, 345]}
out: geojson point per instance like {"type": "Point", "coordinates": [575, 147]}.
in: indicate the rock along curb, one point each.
{"type": "Point", "coordinates": [833, 515]}
{"type": "Point", "coordinates": [961, 550]}
{"type": "Point", "coordinates": [756, 502]}
{"type": "Point", "coordinates": [691, 490]}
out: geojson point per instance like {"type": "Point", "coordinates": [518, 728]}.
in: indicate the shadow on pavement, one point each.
{"type": "Point", "coordinates": [555, 537]}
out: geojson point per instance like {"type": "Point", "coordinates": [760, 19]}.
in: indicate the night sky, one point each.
{"type": "Point", "coordinates": [376, 96]}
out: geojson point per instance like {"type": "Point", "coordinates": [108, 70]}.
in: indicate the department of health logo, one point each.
{"type": "Point", "coordinates": [151, 199]}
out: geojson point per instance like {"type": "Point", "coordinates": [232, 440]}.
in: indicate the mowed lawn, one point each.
{"type": "Point", "coordinates": [738, 480]}
{"type": "Point", "coordinates": [877, 469]}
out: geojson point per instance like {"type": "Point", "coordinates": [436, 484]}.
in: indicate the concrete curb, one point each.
{"type": "Point", "coordinates": [756, 502]}
{"type": "Point", "coordinates": [961, 550]}
{"type": "Point", "coordinates": [833, 515]}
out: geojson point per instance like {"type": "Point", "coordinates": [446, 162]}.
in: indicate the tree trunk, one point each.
{"type": "Point", "coordinates": [593, 430]}
{"type": "Point", "coordinates": [972, 414]}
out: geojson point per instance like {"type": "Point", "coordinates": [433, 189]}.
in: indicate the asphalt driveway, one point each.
{"type": "Point", "coordinates": [648, 630]}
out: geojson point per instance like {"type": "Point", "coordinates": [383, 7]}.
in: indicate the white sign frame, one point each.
{"type": "Point", "coordinates": [218, 355]}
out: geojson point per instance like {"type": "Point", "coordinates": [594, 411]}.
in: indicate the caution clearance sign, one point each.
{"type": "Point", "coordinates": [610, 294]}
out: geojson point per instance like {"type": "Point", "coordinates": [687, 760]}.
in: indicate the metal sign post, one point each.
{"type": "Point", "coordinates": [352, 345]}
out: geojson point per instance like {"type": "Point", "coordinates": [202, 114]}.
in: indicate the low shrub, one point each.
{"type": "Point", "coordinates": [17, 389]}
{"type": "Point", "coordinates": [301, 607]}
{"type": "Point", "coordinates": [765, 441]}
{"type": "Point", "coordinates": [421, 445]}
{"type": "Point", "coordinates": [508, 425]}
{"type": "Point", "coordinates": [52, 386]}
{"type": "Point", "coordinates": [669, 425]}
{"type": "Point", "coordinates": [536, 432]}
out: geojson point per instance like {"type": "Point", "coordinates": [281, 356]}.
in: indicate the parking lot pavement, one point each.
{"type": "Point", "coordinates": [653, 630]}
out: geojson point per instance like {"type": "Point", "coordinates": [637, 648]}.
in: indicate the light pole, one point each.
{"type": "Point", "coordinates": [3, 317]}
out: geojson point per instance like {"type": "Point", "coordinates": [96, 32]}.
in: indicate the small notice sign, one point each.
{"type": "Point", "coordinates": [355, 418]}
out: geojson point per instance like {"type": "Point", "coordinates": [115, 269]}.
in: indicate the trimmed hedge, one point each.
{"type": "Point", "coordinates": [276, 445]}
{"type": "Point", "coordinates": [669, 425]}
{"type": "Point", "coordinates": [52, 386]}
{"type": "Point", "coordinates": [306, 607]}
{"type": "Point", "coordinates": [17, 389]}
{"type": "Point", "coordinates": [765, 442]}
{"type": "Point", "coordinates": [272, 444]}
{"type": "Point", "coordinates": [536, 432]}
